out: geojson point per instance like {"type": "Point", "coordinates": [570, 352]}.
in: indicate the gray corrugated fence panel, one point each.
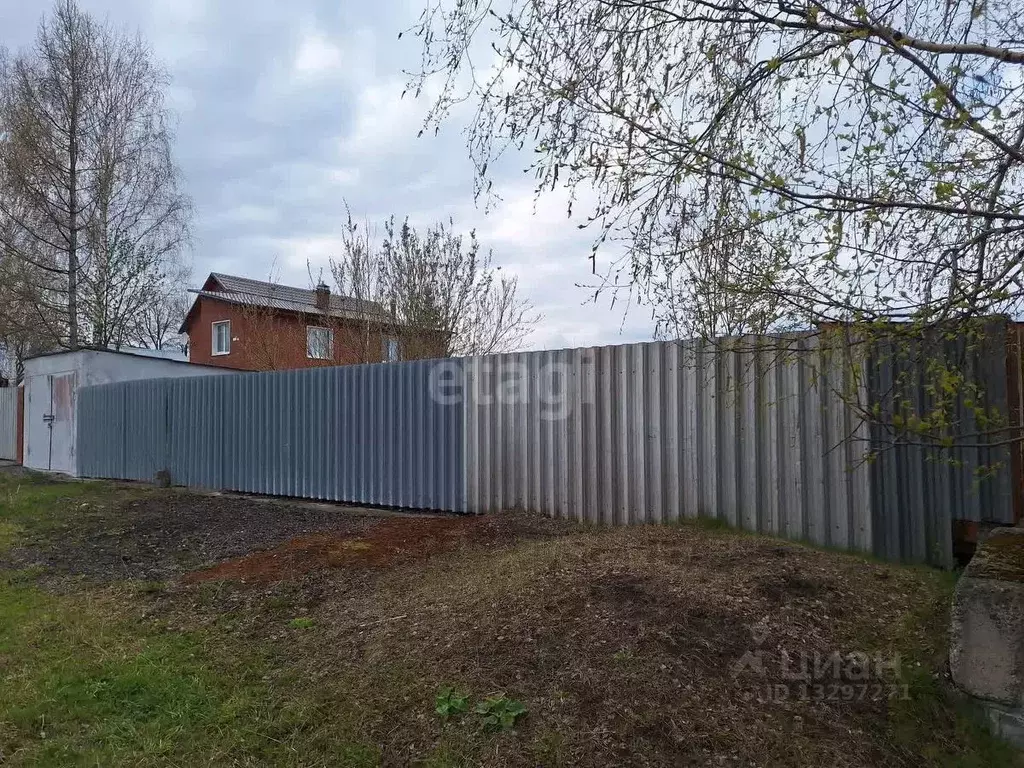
{"type": "Point", "coordinates": [744, 431]}
{"type": "Point", "coordinates": [9, 423]}
{"type": "Point", "coordinates": [917, 490]}
{"type": "Point", "coordinates": [729, 468]}
{"type": "Point", "coordinates": [100, 425]}
{"type": "Point", "coordinates": [769, 409]}
{"type": "Point", "coordinates": [857, 453]}
{"type": "Point", "coordinates": [196, 440]}
{"type": "Point", "coordinates": [749, 435]}
{"type": "Point", "coordinates": [122, 430]}
{"type": "Point", "coordinates": [145, 442]}
{"type": "Point", "coordinates": [815, 447]}
{"type": "Point", "coordinates": [371, 434]}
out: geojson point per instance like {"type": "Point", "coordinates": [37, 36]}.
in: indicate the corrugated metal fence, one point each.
{"type": "Point", "coordinates": [747, 432]}
{"type": "Point", "coordinates": [762, 433]}
{"type": "Point", "coordinates": [917, 487]}
{"type": "Point", "coordinates": [367, 434]}
{"type": "Point", "coordinates": [9, 423]}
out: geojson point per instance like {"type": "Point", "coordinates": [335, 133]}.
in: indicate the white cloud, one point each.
{"type": "Point", "coordinates": [317, 55]}
{"type": "Point", "coordinates": [246, 215]}
{"type": "Point", "coordinates": [343, 177]}
{"type": "Point", "coordinates": [384, 119]}
{"type": "Point", "coordinates": [296, 257]}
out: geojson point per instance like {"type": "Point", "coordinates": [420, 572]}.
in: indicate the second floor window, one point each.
{"type": "Point", "coordinates": [319, 343]}
{"type": "Point", "coordinates": [222, 337]}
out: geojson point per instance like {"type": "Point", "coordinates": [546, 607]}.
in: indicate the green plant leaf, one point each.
{"type": "Point", "coordinates": [450, 702]}
{"type": "Point", "coordinates": [499, 712]}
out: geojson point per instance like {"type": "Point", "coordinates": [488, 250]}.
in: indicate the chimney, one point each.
{"type": "Point", "coordinates": [323, 297]}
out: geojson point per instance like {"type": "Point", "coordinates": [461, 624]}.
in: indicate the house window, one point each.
{"type": "Point", "coordinates": [392, 350]}
{"type": "Point", "coordinates": [222, 337]}
{"type": "Point", "coordinates": [319, 343]}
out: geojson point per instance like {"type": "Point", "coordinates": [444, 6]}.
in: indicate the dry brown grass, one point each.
{"type": "Point", "coordinates": [623, 644]}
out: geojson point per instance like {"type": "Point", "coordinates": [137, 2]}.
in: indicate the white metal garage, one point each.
{"type": "Point", "coordinates": [51, 385]}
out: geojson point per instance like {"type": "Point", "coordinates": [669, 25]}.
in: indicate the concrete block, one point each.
{"type": "Point", "coordinates": [986, 654]}
{"type": "Point", "coordinates": [987, 641]}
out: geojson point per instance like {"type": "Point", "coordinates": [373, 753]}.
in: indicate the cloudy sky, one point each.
{"type": "Point", "coordinates": [288, 109]}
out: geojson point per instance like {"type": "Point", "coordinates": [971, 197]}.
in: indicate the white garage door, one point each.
{"type": "Point", "coordinates": [50, 422]}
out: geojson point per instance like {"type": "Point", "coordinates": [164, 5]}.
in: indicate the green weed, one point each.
{"type": "Point", "coordinates": [499, 712]}
{"type": "Point", "coordinates": [450, 702]}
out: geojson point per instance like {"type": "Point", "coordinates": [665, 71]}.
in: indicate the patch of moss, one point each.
{"type": "Point", "coordinates": [1000, 556]}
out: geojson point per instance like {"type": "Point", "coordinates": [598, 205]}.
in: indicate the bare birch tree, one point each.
{"type": "Point", "coordinates": [766, 167]}
{"type": "Point", "coordinates": [843, 161]}
{"type": "Point", "coordinates": [21, 332]}
{"type": "Point", "coordinates": [439, 291]}
{"type": "Point", "coordinates": [165, 306]}
{"type": "Point", "coordinates": [89, 193]}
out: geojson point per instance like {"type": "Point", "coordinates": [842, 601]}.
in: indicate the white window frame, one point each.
{"type": "Point", "coordinates": [386, 356]}
{"type": "Point", "coordinates": [213, 343]}
{"type": "Point", "coordinates": [330, 342]}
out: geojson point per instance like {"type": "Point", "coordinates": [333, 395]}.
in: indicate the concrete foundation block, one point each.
{"type": "Point", "coordinates": [987, 636]}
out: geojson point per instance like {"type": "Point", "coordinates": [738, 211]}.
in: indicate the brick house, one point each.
{"type": "Point", "coordinates": [253, 325]}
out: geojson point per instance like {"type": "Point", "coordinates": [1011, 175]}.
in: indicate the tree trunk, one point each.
{"type": "Point", "coordinates": [75, 87]}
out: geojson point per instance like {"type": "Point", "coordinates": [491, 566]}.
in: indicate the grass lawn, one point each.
{"type": "Point", "coordinates": [145, 627]}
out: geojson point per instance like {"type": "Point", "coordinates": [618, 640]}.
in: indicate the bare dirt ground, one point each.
{"type": "Point", "coordinates": [377, 543]}
{"type": "Point", "coordinates": [660, 646]}
{"type": "Point", "coordinates": [158, 536]}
